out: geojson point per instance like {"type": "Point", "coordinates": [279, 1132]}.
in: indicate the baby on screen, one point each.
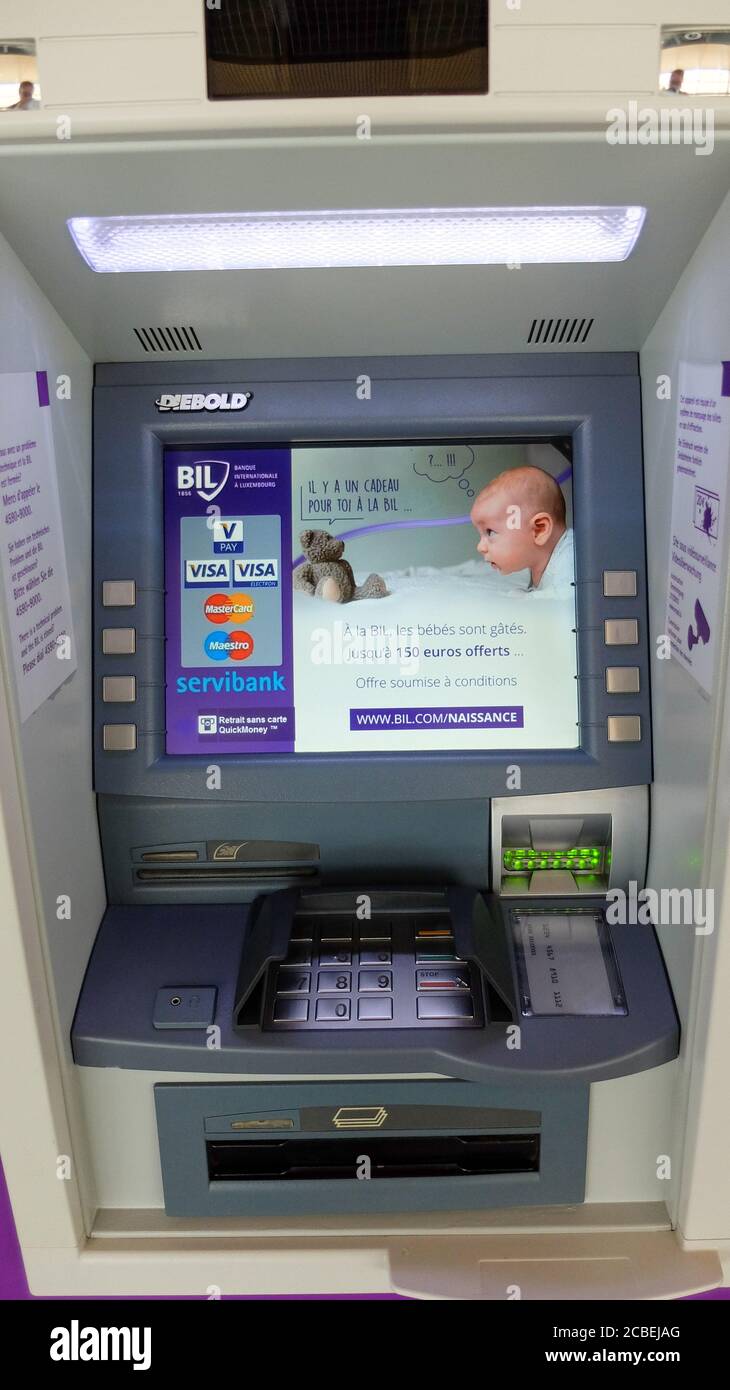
{"type": "Point", "coordinates": [520, 517]}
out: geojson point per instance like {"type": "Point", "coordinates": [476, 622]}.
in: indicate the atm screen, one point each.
{"type": "Point", "coordinates": [370, 598]}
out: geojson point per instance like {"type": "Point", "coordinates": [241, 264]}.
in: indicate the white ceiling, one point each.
{"type": "Point", "coordinates": [365, 311]}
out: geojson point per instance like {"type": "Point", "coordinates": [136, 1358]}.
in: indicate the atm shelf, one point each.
{"type": "Point", "coordinates": [140, 950]}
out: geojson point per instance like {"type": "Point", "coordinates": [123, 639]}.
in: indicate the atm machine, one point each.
{"type": "Point", "coordinates": [360, 875]}
{"type": "Point", "coordinates": [359, 972]}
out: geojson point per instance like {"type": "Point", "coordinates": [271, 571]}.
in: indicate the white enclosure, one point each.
{"type": "Point", "coordinates": [142, 139]}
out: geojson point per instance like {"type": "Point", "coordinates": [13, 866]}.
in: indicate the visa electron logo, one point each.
{"type": "Point", "coordinates": [207, 477]}
{"type": "Point", "coordinates": [237, 400]}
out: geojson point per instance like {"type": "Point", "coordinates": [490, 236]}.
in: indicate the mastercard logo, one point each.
{"type": "Point", "coordinates": [224, 608]}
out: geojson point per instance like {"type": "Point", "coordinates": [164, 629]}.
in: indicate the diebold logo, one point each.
{"type": "Point", "coordinates": [217, 400]}
{"type": "Point", "coordinates": [207, 477]}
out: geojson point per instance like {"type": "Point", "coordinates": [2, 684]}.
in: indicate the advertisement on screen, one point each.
{"type": "Point", "coordinates": [370, 598]}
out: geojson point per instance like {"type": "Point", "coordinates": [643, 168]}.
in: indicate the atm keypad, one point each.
{"type": "Point", "coordinates": [397, 972]}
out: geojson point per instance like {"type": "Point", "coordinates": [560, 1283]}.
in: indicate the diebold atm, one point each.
{"type": "Point", "coordinates": [372, 743]}
{"type": "Point", "coordinates": [364, 456]}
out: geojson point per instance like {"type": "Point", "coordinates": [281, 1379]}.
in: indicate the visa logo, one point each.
{"type": "Point", "coordinates": [207, 572]}
{"type": "Point", "coordinates": [256, 574]}
{"type": "Point", "coordinates": [228, 538]}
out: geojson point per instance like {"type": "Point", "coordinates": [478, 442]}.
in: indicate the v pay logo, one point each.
{"type": "Point", "coordinates": [227, 537]}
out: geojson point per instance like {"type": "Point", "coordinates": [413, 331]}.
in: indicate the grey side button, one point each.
{"type": "Point", "coordinates": [624, 728]}
{"type": "Point", "coordinates": [184, 1008]}
{"type": "Point", "coordinates": [619, 583]}
{"type": "Point", "coordinates": [119, 690]}
{"type": "Point", "coordinates": [119, 593]}
{"type": "Point", "coordinates": [118, 641]}
{"type": "Point", "coordinates": [621, 632]}
{"type": "Point", "coordinates": [119, 738]}
{"type": "Point", "coordinates": [622, 680]}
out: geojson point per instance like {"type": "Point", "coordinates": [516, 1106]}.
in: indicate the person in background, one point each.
{"type": "Point", "coordinates": [675, 81]}
{"type": "Point", "coordinates": [27, 101]}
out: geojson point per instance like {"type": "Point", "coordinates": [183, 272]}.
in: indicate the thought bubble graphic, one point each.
{"type": "Point", "coordinates": [442, 462]}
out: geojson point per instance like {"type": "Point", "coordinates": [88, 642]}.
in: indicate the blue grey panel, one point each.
{"type": "Point", "coordinates": [594, 398]}
{"type": "Point", "coordinates": [137, 948]}
{"type": "Point", "coordinates": [192, 1116]}
{"type": "Point", "coordinates": [431, 842]}
{"type": "Point", "coordinates": [184, 1006]}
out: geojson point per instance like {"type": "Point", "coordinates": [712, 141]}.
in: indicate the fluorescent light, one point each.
{"type": "Point", "coordinates": [410, 236]}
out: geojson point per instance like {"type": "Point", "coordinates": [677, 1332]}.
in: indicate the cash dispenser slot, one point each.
{"type": "Point", "coordinates": [407, 1156]}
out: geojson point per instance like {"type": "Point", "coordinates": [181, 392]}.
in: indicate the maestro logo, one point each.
{"type": "Point", "coordinates": [216, 400]}
{"type": "Point", "coordinates": [207, 477]}
{"type": "Point", "coordinates": [220, 646]}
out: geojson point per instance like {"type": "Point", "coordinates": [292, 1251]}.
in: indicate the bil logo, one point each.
{"type": "Point", "coordinates": [207, 477]}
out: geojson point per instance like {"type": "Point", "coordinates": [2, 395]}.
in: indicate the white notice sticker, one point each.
{"type": "Point", "coordinates": [699, 501]}
{"type": "Point", "coordinates": [34, 572]}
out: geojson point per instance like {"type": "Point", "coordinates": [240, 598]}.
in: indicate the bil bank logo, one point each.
{"type": "Point", "coordinates": [216, 400]}
{"type": "Point", "coordinates": [207, 477]}
{"type": "Point", "coordinates": [227, 537]}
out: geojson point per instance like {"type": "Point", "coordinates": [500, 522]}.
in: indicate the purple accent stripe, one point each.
{"type": "Point", "coordinates": [41, 381]}
{"type": "Point", "coordinates": [726, 379]}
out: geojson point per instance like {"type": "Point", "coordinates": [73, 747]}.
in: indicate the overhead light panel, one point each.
{"type": "Point", "coordinates": [313, 240]}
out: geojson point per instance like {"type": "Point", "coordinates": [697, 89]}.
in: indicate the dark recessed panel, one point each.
{"type": "Point", "coordinates": [340, 48]}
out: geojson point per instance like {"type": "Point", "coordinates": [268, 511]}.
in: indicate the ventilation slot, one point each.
{"type": "Point", "coordinates": [436, 1156]}
{"type": "Point", "coordinates": [558, 332]}
{"type": "Point", "coordinates": [169, 339]}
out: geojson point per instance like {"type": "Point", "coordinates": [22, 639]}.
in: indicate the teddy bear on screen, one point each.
{"type": "Point", "coordinates": [325, 574]}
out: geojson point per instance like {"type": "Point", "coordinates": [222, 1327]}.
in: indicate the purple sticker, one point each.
{"type": "Point", "coordinates": [41, 381]}
{"type": "Point", "coordinates": [726, 379]}
{"type": "Point", "coordinates": [229, 667]}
